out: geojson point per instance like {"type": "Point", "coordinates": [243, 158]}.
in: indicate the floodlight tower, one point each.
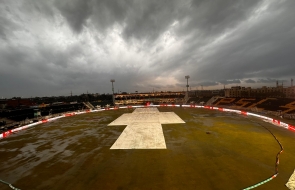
{"type": "Point", "coordinates": [112, 81]}
{"type": "Point", "coordinates": [187, 77]}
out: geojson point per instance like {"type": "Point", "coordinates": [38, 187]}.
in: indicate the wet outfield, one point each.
{"type": "Point", "coordinates": [212, 150]}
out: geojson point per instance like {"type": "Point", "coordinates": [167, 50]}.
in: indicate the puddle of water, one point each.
{"type": "Point", "coordinates": [74, 153]}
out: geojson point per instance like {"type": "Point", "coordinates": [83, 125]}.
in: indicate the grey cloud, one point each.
{"type": "Point", "coordinates": [102, 13]}
{"type": "Point", "coordinates": [202, 35]}
{"type": "Point", "coordinates": [41, 7]}
{"type": "Point", "coordinates": [75, 11]}
{"type": "Point", "coordinates": [148, 19]}
{"type": "Point", "coordinates": [208, 83]}
{"type": "Point", "coordinates": [234, 81]}
{"type": "Point", "coordinates": [107, 13]}
{"type": "Point", "coordinates": [2, 30]}
{"type": "Point", "coordinates": [213, 17]}
{"type": "Point", "coordinates": [6, 26]}
{"type": "Point", "coordinates": [261, 49]}
{"type": "Point", "coordinates": [267, 80]}
{"type": "Point", "coordinates": [250, 81]}
{"type": "Point", "coordinates": [13, 56]}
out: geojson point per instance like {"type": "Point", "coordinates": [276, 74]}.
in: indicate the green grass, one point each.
{"type": "Point", "coordinates": [74, 153]}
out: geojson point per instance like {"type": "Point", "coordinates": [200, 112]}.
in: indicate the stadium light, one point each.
{"type": "Point", "coordinates": [187, 77]}
{"type": "Point", "coordinates": [112, 81]}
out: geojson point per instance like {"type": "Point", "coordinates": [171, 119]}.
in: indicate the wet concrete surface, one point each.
{"type": "Point", "coordinates": [74, 153]}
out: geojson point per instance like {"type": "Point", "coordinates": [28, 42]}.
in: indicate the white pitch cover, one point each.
{"type": "Point", "coordinates": [144, 130]}
{"type": "Point", "coordinates": [291, 183]}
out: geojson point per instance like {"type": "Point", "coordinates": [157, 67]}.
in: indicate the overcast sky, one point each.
{"type": "Point", "coordinates": [53, 47]}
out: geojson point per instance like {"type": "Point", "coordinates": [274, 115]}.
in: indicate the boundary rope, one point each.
{"type": "Point", "coordinates": [277, 160]}
{"type": "Point", "coordinates": [14, 188]}
{"type": "Point", "coordinates": [192, 106]}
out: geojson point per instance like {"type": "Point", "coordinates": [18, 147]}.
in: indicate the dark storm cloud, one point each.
{"type": "Point", "coordinates": [234, 81]}
{"type": "Point", "coordinates": [149, 19]}
{"type": "Point", "coordinates": [103, 13]}
{"type": "Point", "coordinates": [55, 46]}
{"type": "Point", "coordinates": [200, 36]}
{"type": "Point", "coordinates": [6, 25]}
{"type": "Point", "coordinates": [75, 11]}
{"type": "Point", "coordinates": [213, 17]}
{"type": "Point", "coordinates": [268, 80]}
{"type": "Point", "coordinates": [250, 81]}
{"type": "Point", "coordinates": [207, 83]}
{"type": "Point", "coordinates": [265, 50]}
{"type": "Point", "coordinates": [2, 30]}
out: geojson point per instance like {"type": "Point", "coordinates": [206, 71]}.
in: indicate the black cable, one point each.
{"type": "Point", "coordinates": [9, 185]}
{"type": "Point", "coordinates": [281, 146]}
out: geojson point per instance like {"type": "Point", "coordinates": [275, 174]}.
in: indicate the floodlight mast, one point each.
{"type": "Point", "coordinates": [187, 77]}
{"type": "Point", "coordinates": [112, 81]}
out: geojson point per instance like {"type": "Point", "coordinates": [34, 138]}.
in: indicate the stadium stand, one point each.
{"type": "Point", "coordinates": [224, 101]}
{"type": "Point", "coordinates": [284, 105]}
{"type": "Point", "coordinates": [199, 100]}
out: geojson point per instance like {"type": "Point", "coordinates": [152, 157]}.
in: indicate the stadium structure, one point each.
{"type": "Point", "coordinates": [182, 140]}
